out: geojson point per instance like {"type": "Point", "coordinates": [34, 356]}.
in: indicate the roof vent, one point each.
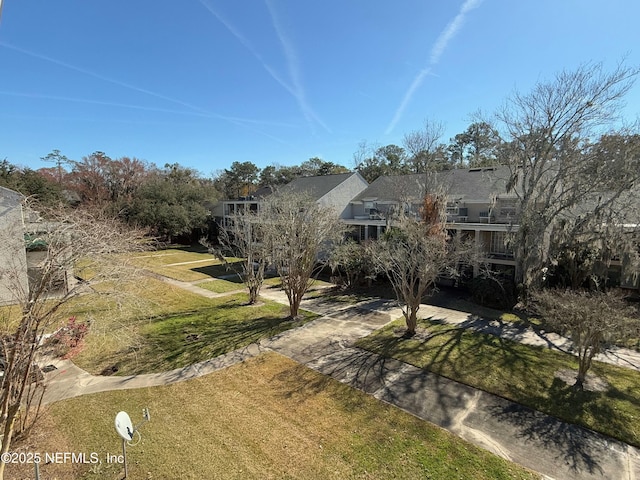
{"type": "Point", "coordinates": [475, 169]}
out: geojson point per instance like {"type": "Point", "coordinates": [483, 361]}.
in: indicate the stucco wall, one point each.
{"type": "Point", "coordinates": [13, 259]}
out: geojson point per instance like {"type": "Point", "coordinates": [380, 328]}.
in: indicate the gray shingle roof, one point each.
{"type": "Point", "coordinates": [475, 183]}
{"type": "Point", "coordinates": [468, 184]}
{"type": "Point", "coordinates": [316, 187]}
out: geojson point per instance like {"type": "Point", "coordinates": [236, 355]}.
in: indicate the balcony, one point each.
{"type": "Point", "coordinates": [486, 217]}
{"type": "Point", "coordinates": [457, 215]}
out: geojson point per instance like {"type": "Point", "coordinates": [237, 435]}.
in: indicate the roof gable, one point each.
{"type": "Point", "coordinates": [318, 186]}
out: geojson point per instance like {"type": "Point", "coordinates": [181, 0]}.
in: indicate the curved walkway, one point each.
{"type": "Point", "coordinates": [540, 442]}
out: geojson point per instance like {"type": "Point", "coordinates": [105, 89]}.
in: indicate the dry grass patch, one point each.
{"type": "Point", "coordinates": [9, 317]}
{"type": "Point", "coordinates": [266, 418]}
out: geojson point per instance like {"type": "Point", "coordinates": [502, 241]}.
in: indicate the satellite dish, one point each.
{"type": "Point", "coordinates": [124, 427]}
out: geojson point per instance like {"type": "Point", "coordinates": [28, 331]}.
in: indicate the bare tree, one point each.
{"type": "Point", "coordinates": [299, 234]}
{"type": "Point", "coordinates": [413, 254]}
{"type": "Point", "coordinates": [242, 237]}
{"type": "Point", "coordinates": [593, 320]}
{"type": "Point", "coordinates": [553, 167]}
{"type": "Point", "coordinates": [423, 147]}
{"type": "Point", "coordinates": [62, 241]}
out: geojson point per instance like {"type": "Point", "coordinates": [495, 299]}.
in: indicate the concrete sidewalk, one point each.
{"type": "Point", "coordinates": [555, 449]}
{"type": "Point", "coordinates": [542, 443]}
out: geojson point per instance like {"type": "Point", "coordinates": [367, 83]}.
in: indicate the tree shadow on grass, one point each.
{"type": "Point", "coordinates": [194, 248]}
{"type": "Point", "coordinates": [425, 394]}
{"type": "Point", "coordinates": [230, 271]}
{"type": "Point", "coordinates": [517, 332]}
{"type": "Point", "coordinates": [178, 341]}
{"type": "Point", "coordinates": [463, 356]}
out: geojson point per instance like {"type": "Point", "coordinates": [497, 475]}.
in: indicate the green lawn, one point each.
{"type": "Point", "coordinates": [186, 273]}
{"type": "Point", "coordinates": [519, 372]}
{"type": "Point", "coordinates": [222, 286]}
{"type": "Point", "coordinates": [161, 327]}
{"type": "Point", "coordinates": [196, 265]}
{"type": "Point", "coordinates": [116, 323]}
{"type": "Point", "coordinates": [200, 271]}
{"type": "Point", "coordinates": [268, 417]}
{"type": "Point", "coordinates": [179, 340]}
{"type": "Point", "coordinates": [169, 256]}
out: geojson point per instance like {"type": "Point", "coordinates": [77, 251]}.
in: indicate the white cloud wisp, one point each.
{"type": "Point", "coordinates": [449, 32]}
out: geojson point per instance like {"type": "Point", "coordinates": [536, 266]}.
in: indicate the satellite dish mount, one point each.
{"type": "Point", "coordinates": [126, 430]}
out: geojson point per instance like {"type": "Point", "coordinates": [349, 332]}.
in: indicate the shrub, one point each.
{"type": "Point", "coordinates": [67, 341]}
{"type": "Point", "coordinates": [494, 292]}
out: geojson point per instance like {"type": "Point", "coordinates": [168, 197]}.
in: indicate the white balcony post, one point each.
{"type": "Point", "coordinates": [476, 247]}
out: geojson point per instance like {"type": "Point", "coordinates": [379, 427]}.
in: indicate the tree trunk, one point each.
{"type": "Point", "coordinates": [8, 434]}
{"type": "Point", "coordinates": [412, 322]}
{"type": "Point", "coordinates": [294, 305]}
{"type": "Point", "coordinates": [253, 295]}
{"type": "Point", "coordinates": [586, 354]}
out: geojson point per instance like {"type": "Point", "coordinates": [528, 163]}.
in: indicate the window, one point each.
{"type": "Point", "coordinates": [368, 206]}
{"type": "Point", "coordinates": [500, 244]}
{"type": "Point", "coordinates": [507, 208]}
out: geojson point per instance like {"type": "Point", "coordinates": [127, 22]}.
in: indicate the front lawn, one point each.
{"type": "Point", "coordinates": [222, 286]}
{"type": "Point", "coordinates": [185, 266]}
{"type": "Point", "coordinates": [179, 340]}
{"type": "Point", "coordinates": [169, 256]}
{"type": "Point", "coordinates": [139, 334]}
{"type": "Point", "coordinates": [522, 373]}
{"type": "Point", "coordinates": [268, 417]}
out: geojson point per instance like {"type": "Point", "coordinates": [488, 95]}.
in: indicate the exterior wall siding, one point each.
{"type": "Point", "coordinates": [340, 197]}
{"type": "Point", "coordinates": [13, 259]}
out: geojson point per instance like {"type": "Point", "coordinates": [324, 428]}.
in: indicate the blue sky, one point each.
{"type": "Point", "coordinates": [208, 82]}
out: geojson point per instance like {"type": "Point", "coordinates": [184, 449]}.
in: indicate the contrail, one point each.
{"type": "Point", "coordinates": [150, 109]}
{"type": "Point", "coordinates": [294, 90]}
{"type": "Point", "coordinates": [108, 104]}
{"type": "Point", "coordinates": [451, 30]}
{"type": "Point", "coordinates": [294, 70]}
{"type": "Point", "coordinates": [242, 122]}
{"type": "Point", "coordinates": [101, 77]}
{"type": "Point", "coordinates": [437, 50]}
{"type": "Point", "coordinates": [246, 44]}
{"type": "Point", "coordinates": [407, 98]}
{"type": "Point", "coordinates": [135, 122]}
